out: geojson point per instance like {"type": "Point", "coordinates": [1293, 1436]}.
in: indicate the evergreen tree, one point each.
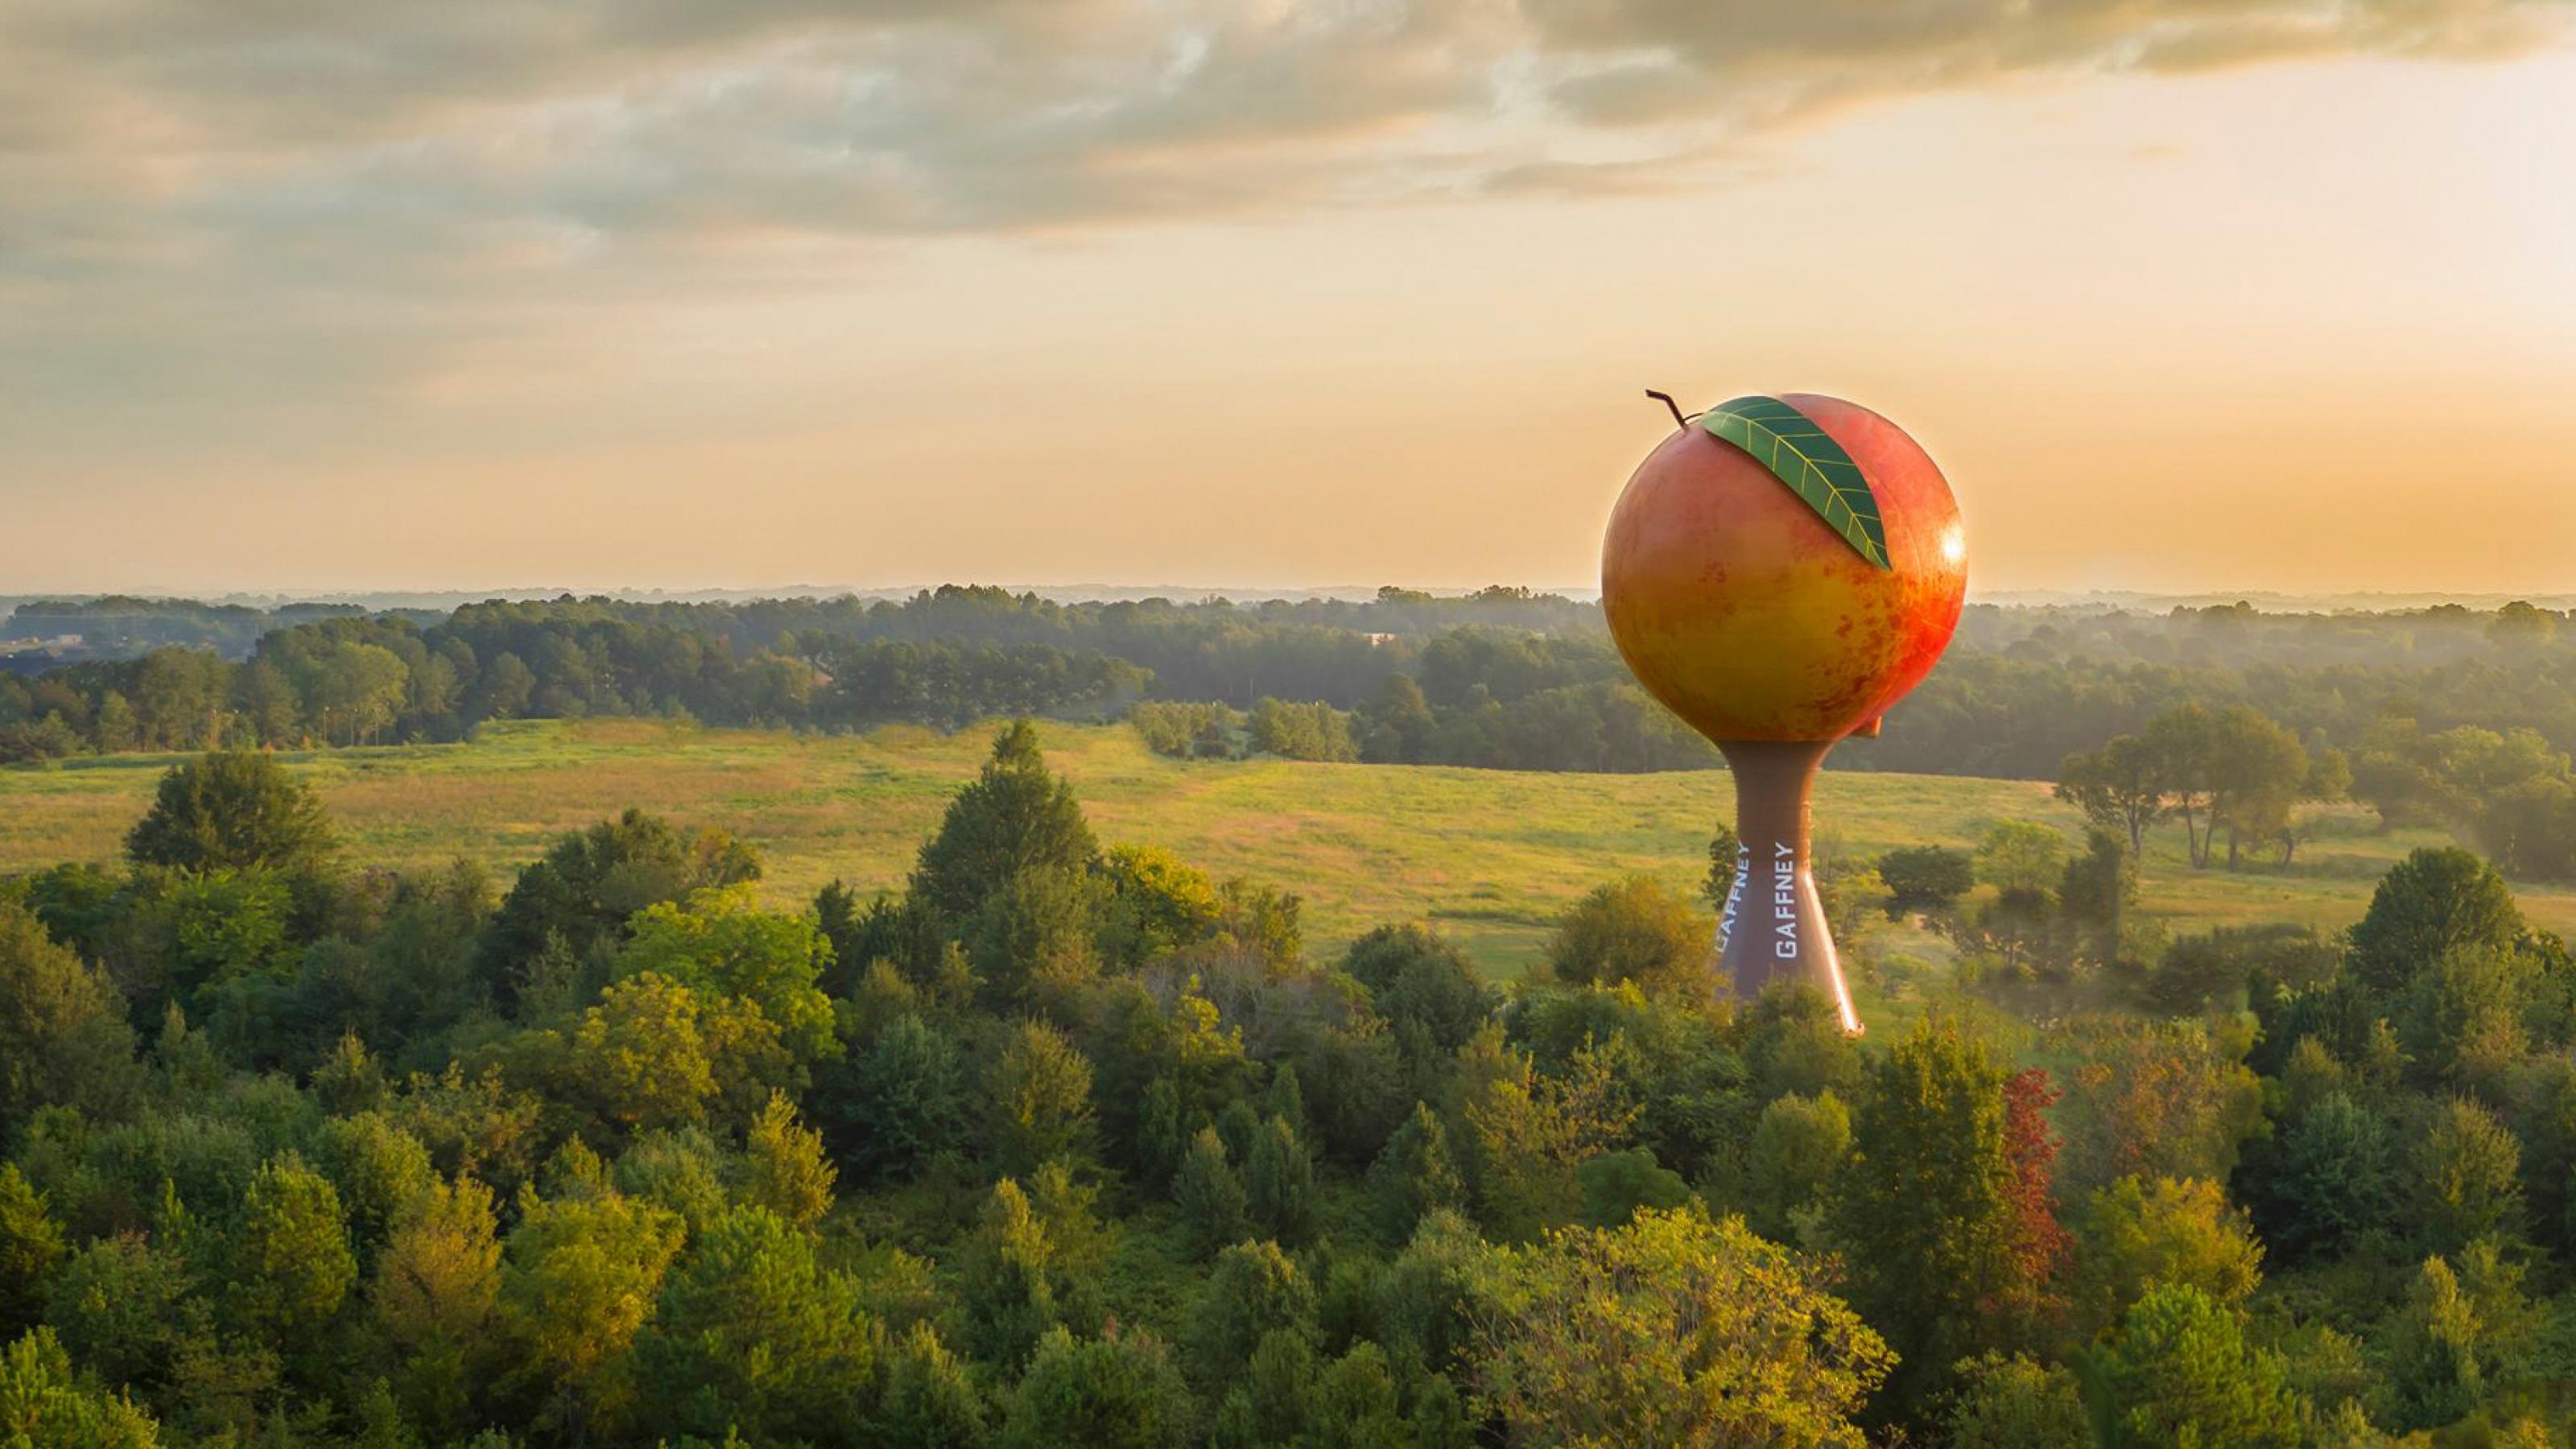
{"type": "Point", "coordinates": [1414, 1176]}
{"type": "Point", "coordinates": [897, 1101]}
{"type": "Point", "coordinates": [2331, 1179]}
{"type": "Point", "coordinates": [929, 1402]}
{"type": "Point", "coordinates": [43, 1403]}
{"type": "Point", "coordinates": [1210, 1194]}
{"type": "Point", "coordinates": [1118, 1391]}
{"type": "Point", "coordinates": [1253, 1291]}
{"type": "Point", "coordinates": [1015, 817]}
{"type": "Point", "coordinates": [1279, 1183]}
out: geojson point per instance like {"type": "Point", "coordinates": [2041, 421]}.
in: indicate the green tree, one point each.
{"type": "Point", "coordinates": [1425, 987]}
{"type": "Point", "coordinates": [2180, 1372]}
{"type": "Point", "coordinates": [1015, 817]}
{"type": "Point", "coordinates": [720, 946]}
{"type": "Point", "coordinates": [378, 1167]}
{"type": "Point", "coordinates": [2021, 855]}
{"type": "Point", "coordinates": [1792, 1040]}
{"type": "Point", "coordinates": [1800, 1146]}
{"type": "Point", "coordinates": [1253, 1291]}
{"type": "Point", "coordinates": [1036, 935]}
{"type": "Point", "coordinates": [639, 1055]}
{"type": "Point", "coordinates": [899, 1101]}
{"type": "Point", "coordinates": [31, 1243]}
{"type": "Point", "coordinates": [1634, 929]}
{"type": "Point", "coordinates": [2436, 1377]}
{"type": "Point", "coordinates": [1618, 1185]}
{"type": "Point", "coordinates": [929, 1401]}
{"type": "Point", "coordinates": [2097, 893]}
{"type": "Point", "coordinates": [784, 1169]}
{"type": "Point", "coordinates": [291, 1262]}
{"type": "Point", "coordinates": [2464, 1019]}
{"type": "Point", "coordinates": [1157, 903]}
{"type": "Point", "coordinates": [1009, 1279]}
{"type": "Point", "coordinates": [582, 890]}
{"type": "Point", "coordinates": [125, 1307]}
{"type": "Point", "coordinates": [1414, 1176]}
{"type": "Point", "coordinates": [1210, 1194]}
{"type": "Point", "coordinates": [2182, 741]}
{"type": "Point", "coordinates": [1398, 724]}
{"type": "Point", "coordinates": [2119, 787]}
{"type": "Point", "coordinates": [1041, 1103]}
{"type": "Point", "coordinates": [2466, 1178]}
{"type": "Point", "coordinates": [1279, 1183]}
{"type": "Point", "coordinates": [2333, 1179]}
{"type": "Point", "coordinates": [231, 811]}
{"type": "Point", "coordinates": [1118, 1391]}
{"type": "Point", "coordinates": [44, 1404]}
{"type": "Point", "coordinates": [579, 1277]}
{"type": "Point", "coordinates": [1669, 1330]}
{"type": "Point", "coordinates": [434, 1292]}
{"type": "Point", "coordinates": [1529, 1133]}
{"type": "Point", "coordinates": [116, 728]}
{"type": "Point", "coordinates": [1926, 878]}
{"type": "Point", "coordinates": [1725, 848]}
{"type": "Point", "coordinates": [264, 697]}
{"type": "Point", "coordinates": [63, 1033]}
{"type": "Point", "coordinates": [2135, 1234]}
{"type": "Point", "coordinates": [2258, 772]}
{"type": "Point", "coordinates": [1926, 1207]}
{"type": "Point", "coordinates": [751, 1335]}
{"type": "Point", "coordinates": [2435, 901]}
{"type": "Point", "coordinates": [2015, 1403]}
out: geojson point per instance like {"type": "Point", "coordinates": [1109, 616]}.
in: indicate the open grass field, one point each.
{"type": "Point", "coordinates": [1489, 856]}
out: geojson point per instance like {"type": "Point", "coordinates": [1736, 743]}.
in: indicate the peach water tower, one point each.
{"type": "Point", "coordinates": [1779, 572]}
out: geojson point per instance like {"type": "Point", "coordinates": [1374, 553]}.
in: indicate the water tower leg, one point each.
{"type": "Point", "coordinates": [1774, 926]}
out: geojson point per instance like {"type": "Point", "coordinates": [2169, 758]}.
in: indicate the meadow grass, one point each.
{"type": "Point", "coordinates": [1488, 856]}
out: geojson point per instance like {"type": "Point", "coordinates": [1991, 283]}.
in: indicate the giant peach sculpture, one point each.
{"type": "Point", "coordinates": [1780, 571]}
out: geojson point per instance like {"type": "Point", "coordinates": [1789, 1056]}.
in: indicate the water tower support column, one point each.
{"type": "Point", "coordinates": [1774, 925]}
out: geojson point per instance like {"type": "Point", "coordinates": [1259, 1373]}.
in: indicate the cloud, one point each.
{"type": "Point", "coordinates": [203, 180]}
{"type": "Point", "coordinates": [1640, 61]}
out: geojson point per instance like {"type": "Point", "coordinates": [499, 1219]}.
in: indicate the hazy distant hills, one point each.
{"type": "Point", "coordinates": [445, 600]}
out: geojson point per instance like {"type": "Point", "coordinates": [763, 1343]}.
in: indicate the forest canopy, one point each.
{"type": "Point", "coordinates": [1067, 1143]}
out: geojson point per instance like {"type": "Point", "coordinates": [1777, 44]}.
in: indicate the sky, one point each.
{"type": "Point", "coordinates": [2182, 294]}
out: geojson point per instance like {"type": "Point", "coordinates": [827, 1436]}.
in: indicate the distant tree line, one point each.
{"type": "Point", "coordinates": [120, 625]}
{"type": "Point", "coordinates": [1503, 678]}
{"type": "Point", "coordinates": [359, 681]}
